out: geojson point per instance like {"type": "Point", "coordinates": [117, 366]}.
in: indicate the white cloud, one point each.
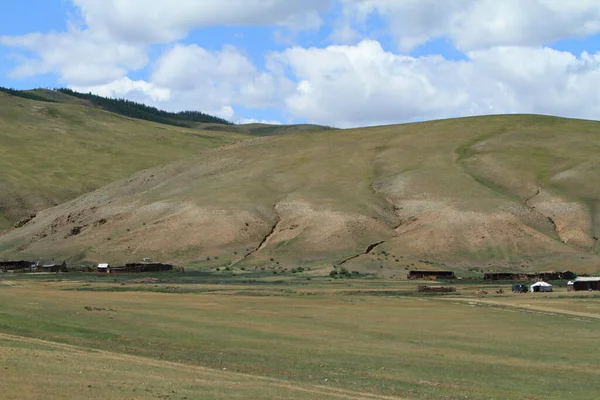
{"type": "Point", "coordinates": [152, 21]}
{"type": "Point", "coordinates": [257, 121]}
{"type": "Point", "coordinates": [348, 86]}
{"type": "Point", "coordinates": [480, 24]}
{"type": "Point", "coordinates": [507, 68]}
{"type": "Point", "coordinates": [364, 85]}
{"type": "Point", "coordinates": [210, 80]}
{"type": "Point", "coordinates": [126, 87]}
{"type": "Point", "coordinates": [78, 57]}
{"type": "Point", "coordinates": [115, 33]}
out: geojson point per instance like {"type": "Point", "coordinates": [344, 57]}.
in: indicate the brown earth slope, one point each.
{"type": "Point", "coordinates": [493, 192]}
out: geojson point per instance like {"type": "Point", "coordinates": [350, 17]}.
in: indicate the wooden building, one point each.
{"type": "Point", "coordinates": [14, 265]}
{"type": "Point", "coordinates": [532, 276]}
{"type": "Point", "coordinates": [431, 275]}
{"type": "Point", "coordinates": [51, 266]}
{"type": "Point", "coordinates": [504, 276]}
{"type": "Point", "coordinates": [586, 283]}
{"type": "Point", "coordinates": [133, 268]}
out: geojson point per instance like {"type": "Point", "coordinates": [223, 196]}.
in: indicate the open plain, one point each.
{"type": "Point", "coordinates": [216, 336]}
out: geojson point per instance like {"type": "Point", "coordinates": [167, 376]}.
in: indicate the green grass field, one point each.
{"type": "Point", "coordinates": [103, 337]}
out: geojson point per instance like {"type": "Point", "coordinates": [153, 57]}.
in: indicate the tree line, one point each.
{"type": "Point", "coordinates": [26, 95]}
{"type": "Point", "coordinates": [128, 108]}
{"type": "Point", "coordinates": [133, 109]}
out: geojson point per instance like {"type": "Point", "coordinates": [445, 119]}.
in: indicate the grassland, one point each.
{"type": "Point", "coordinates": [54, 152]}
{"type": "Point", "coordinates": [359, 339]}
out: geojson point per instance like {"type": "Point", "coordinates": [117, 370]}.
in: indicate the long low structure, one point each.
{"type": "Point", "coordinates": [15, 265]}
{"type": "Point", "coordinates": [586, 283]}
{"type": "Point", "coordinates": [532, 276]}
{"type": "Point", "coordinates": [431, 275]}
{"type": "Point", "coordinates": [134, 268]}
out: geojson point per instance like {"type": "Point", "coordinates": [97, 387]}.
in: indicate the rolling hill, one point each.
{"type": "Point", "coordinates": [51, 152]}
{"type": "Point", "coordinates": [471, 194]}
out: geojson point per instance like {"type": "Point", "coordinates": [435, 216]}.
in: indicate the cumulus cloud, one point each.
{"type": "Point", "coordinates": [78, 57]}
{"type": "Point", "coordinates": [257, 121]}
{"type": "Point", "coordinates": [353, 83]}
{"type": "Point", "coordinates": [480, 24]}
{"type": "Point", "coordinates": [116, 33]}
{"type": "Point", "coordinates": [364, 85]}
{"type": "Point", "coordinates": [210, 80]}
{"type": "Point", "coordinates": [126, 87]}
{"type": "Point", "coordinates": [359, 85]}
{"type": "Point", "coordinates": [166, 21]}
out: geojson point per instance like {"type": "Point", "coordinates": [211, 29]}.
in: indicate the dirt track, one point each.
{"type": "Point", "coordinates": [529, 307]}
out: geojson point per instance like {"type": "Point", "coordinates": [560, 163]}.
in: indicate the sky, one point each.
{"type": "Point", "coordinates": [342, 63]}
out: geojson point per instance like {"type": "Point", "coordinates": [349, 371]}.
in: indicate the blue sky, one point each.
{"type": "Point", "coordinates": [337, 62]}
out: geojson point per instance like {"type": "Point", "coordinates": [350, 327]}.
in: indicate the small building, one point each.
{"type": "Point", "coordinates": [431, 275]}
{"type": "Point", "coordinates": [103, 268]}
{"type": "Point", "coordinates": [519, 288]}
{"type": "Point", "coordinates": [586, 283]}
{"type": "Point", "coordinates": [540, 287]}
{"type": "Point", "coordinates": [51, 266]}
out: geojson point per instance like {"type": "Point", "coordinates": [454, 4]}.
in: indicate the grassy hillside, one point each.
{"type": "Point", "coordinates": [499, 192]}
{"type": "Point", "coordinates": [54, 152]}
{"type": "Point", "coordinates": [195, 120]}
{"type": "Point", "coordinates": [133, 109]}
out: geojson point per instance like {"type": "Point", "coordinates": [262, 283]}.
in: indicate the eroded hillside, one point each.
{"type": "Point", "coordinates": [489, 192]}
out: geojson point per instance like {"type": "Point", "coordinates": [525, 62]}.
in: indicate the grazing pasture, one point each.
{"type": "Point", "coordinates": [356, 339]}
